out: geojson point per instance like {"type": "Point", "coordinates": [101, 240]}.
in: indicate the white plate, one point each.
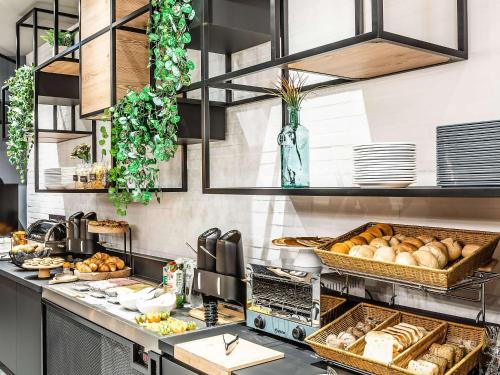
{"type": "Point", "coordinates": [385, 184]}
{"type": "Point", "coordinates": [54, 187]}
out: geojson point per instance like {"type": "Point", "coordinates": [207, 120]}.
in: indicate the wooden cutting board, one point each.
{"type": "Point", "coordinates": [209, 355]}
{"type": "Point", "coordinates": [226, 316]}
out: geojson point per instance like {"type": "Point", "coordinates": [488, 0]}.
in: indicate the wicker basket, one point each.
{"type": "Point", "coordinates": [330, 308]}
{"type": "Point", "coordinates": [454, 334]}
{"type": "Point", "coordinates": [436, 331]}
{"type": "Point", "coordinates": [317, 341]}
{"type": "Point", "coordinates": [446, 278]}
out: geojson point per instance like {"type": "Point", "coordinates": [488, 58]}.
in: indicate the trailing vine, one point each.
{"type": "Point", "coordinates": [20, 118]}
{"type": "Point", "coordinates": [144, 123]}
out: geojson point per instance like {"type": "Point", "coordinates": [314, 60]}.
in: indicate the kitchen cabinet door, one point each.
{"type": "Point", "coordinates": [8, 324]}
{"type": "Point", "coordinates": [168, 367]}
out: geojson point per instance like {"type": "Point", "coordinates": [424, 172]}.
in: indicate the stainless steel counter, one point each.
{"type": "Point", "coordinates": [112, 317]}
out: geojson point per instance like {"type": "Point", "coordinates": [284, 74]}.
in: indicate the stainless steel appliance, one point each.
{"type": "Point", "coordinates": [292, 303]}
{"type": "Point", "coordinates": [50, 233]}
{"type": "Point", "coordinates": [79, 240]}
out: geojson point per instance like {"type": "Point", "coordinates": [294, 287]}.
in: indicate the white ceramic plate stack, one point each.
{"type": "Point", "coordinates": [468, 154]}
{"type": "Point", "coordinates": [58, 178]}
{"type": "Point", "coordinates": [389, 165]}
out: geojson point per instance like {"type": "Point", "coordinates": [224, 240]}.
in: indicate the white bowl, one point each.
{"type": "Point", "coordinates": [130, 300]}
{"type": "Point", "coordinates": [163, 303]}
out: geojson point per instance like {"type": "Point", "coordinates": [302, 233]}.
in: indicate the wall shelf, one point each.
{"type": "Point", "coordinates": [58, 136]}
{"type": "Point", "coordinates": [428, 192]}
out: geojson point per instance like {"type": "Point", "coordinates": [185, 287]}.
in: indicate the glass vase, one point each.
{"type": "Point", "coordinates": [294, 143]}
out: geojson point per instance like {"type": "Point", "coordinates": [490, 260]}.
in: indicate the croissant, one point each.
{"type": "Point", "coordinates": [93, 267]}
{"type": "Point", "coordinates": [104, 268]}
{"type": "Point", "coordinates": [97, 256]}
{"type": "Point", "coordinates": [112, 267]}
{"type": "Point", "coordinates": [83, 268]}
{"type": "Point", "coordinates": [86, 261]}
{"type": "Point", "coordinates": [120, 264]}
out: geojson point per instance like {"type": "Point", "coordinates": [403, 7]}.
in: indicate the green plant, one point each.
{"type": "Point", "coordinates": [81, 152]}
{"type": "Point", "coordinates": [291, 90]}
{"type": "Point", "coordinates": [144, 123]}
{"type": "Point", "coordinates": [20, 118]}
{"type": "Point", "coordinates": [66, 38]}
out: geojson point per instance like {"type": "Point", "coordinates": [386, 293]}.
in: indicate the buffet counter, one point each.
{"type": "Point", "coordinates": [28, 279]}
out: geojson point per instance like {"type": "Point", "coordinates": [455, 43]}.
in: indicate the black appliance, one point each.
{"type": "Point", "coordinates": [79, 240]}
{"type": "Point", "coordinates": [50, 233]}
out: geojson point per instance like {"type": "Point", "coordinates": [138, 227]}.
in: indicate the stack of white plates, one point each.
{"type": "Point", "coordinates": [58, 178]}
{"type": "Point", "coordinates": [468, 154]}
{"type": "Point", "coordinates": [391, 165]}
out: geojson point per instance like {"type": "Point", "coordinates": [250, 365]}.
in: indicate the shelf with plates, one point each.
{"type": "Point", "coordinates": [58, 136]}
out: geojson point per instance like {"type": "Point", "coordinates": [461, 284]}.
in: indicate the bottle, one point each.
{"type": "Point", "coordinates": [180, 283]}
{"type": "Point", "coordinates": [169, 284]}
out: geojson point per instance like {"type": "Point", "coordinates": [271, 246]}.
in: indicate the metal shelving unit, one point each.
{"type": "Point", "coordinates": [354, 59]}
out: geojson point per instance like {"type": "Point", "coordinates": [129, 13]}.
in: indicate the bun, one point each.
{"type": "Point", "coordinates": [358, 240]}
{"type": "Point", "coordinates": [350, 244]}
{"type": "Point", "coordinates": [340, 248]}
{"type": "Point", "coordinates": [333, 342]}
{"type": "Point", "coordinates": [364, 251]}
{"type": "Point", "coordinates": [414, 241]}
{"type": "Point", "coordinates": [454, 248]}
{"type": "Point", "coordinates": [468, 250]}
{"type": "Point", "coordinates": [426, 239]}
{"type": "Point", "coordinates": [405, 248]}
{"type": "Point", "coordinates": [347, 338]}
{"type": "Point", "coordinates": [385, 228]}
{"type": "Point", "coordinates": [441, 245]}
{"type": "Point", "coordinates": [441, 256]}
{"type": "Point", "coordinates": [377, 232]}
{"type": "Point", "coordinates": [385, 254]}
{"type": "Point", "coordinates": [387, 238]}
{"type": "Point", "coordinates": [394, 241]}
{"type": "Point", "coordinates": [406, 259]}
{"type": "Point", "coordinates": [367, 236]}
{"type": "Point", "coordinates": [400, 237]}
{"type": "Point", "coordinates": [426, 259]}
{"type": "Point", "coordinates": [379, 242]}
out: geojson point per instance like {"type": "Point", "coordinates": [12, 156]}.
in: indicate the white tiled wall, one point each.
{"type": "Point", "coordinates": [405, 107]}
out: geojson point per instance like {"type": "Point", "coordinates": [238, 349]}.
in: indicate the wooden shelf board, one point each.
{"type": "Point", "coordinates": [423, 191]}
{"type": "Point", "coordinates": [55, 136]}
{"type": "Point", "coordinates": [127, 7]}
{"type": "Point", "coordinates": [66, 66]}
{"type": "Point", "coordinates": [369, 60]}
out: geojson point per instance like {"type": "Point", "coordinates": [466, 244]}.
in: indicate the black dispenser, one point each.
{"type": "Point", "coordinates": [207, 242]}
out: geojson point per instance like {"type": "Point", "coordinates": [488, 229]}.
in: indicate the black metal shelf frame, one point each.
{"type": "Point", "coordinates": [281, 59]}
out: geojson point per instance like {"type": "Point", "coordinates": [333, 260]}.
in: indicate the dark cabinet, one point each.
{"type": "Point", "coordinates": [20, 328]}
{"type": "Point", "coordinates": [169, 367]}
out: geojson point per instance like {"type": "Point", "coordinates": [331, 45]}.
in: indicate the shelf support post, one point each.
{"type": "Point", "coordinates": [359, 10]}
{"type": "Point", "coordinates": [378, 17]}
{"type": "Point", "coordinates": [463, 27]}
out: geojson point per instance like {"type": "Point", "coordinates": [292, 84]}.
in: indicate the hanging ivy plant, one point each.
{"type": "Point", "coordinates": [144, 123]}
{"type": "Point", "coordinates": [20, 118]}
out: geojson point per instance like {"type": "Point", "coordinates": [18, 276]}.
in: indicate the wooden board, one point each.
{"type": "Point", "coordinates": [132, 58]}
{"type": "Point", "coordinates": [71, 68]}
{"type": "Point", "coordinates": [209, 355]}
{"type": "Point", "coordinates": [368, 60]}
{"type": "Point", "coordinates": [93, 276]}
{"type": "Point", "coordinates": [126, 7]}
{"type": "Point", "coordinates": [107, 230]}
{"type": "Point", "coordinates": [95, 15]}
{"type": "Point", "coordinates": [226, 316]}
{"type": "Point", "coordinates": [96, 74]}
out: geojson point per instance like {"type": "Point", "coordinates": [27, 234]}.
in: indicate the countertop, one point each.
{"type": "Point", "coordinates": [26, 278]}
{"type": "Point", "coordinates": [299, 360]}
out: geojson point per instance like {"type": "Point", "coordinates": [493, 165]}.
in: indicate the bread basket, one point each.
{"type": "Point", "coordinates": [445, 278]}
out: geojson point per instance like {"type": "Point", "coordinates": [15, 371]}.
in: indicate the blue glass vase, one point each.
{"type": "Point", "coordinates": [294, 143]}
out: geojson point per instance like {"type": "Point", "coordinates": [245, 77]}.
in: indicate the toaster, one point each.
{"type": "Point", "coordinates": [50, 233]}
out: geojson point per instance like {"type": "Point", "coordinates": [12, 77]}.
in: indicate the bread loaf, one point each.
{"type": "Point", "coordinates": [441, 363]}
{"type": "Point", "coordinates": [421, 367]}
{"type": "Point", "coordinates": [380, 346]}
{"type": "Point", "coordinates": [445, 352]}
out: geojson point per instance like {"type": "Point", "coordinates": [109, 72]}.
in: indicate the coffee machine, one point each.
{"type": "Point", "coordinates": [78, 238]}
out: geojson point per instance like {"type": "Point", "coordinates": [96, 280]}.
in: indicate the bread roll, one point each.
{"type": "Point", "coordinates": [379, 242]}
{"type": "Point", "coordinates": [366, 251]}
{"type": "Point", "coordinates": [340, 248]}
{"type": "Point", "coordinates": [426, 259]}
{"type": "Point", "coordinates": [347, 338]}
{"type": "Point", "coordinates": [441, 256]}
{"type": "Point", "coordinates": [377, 232]}
{"type": "Point", "coordinates": [414, 241]}
{"type": "Point", "coordinates": [357, 240]}
{"type": "Point", "coordinates": [367, 236]}
{"type": "Point", "coordinates": [385, 228]}
{"type": "Point", "coordinates": [333, 342]}
{"type": "Point", "coordinates": [426, 238]}
{"type": "Point", "coordinates": [454, 248]}
{"type": "Point", "coordinates": [405, 248]}
{"type": "Point", "coordinates": [350, 244]}
{"type": "Point", "coordinates": [441, 245]}
{"type": "Point", "coordinates": [385, 254]}
{"type": "Point", "coordinates": [400, 237]}
{"type": "Point", "coordinates": [387, 238]}
{"type": "Point", "coordinates": [406, 259]}
{"type": "Point", "coordinates": [394, 241]}
{"type": "Point", "coordinates": [468, 250]}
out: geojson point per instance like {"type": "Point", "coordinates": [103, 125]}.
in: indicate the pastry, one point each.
{"type": "Point", "coordinates": [414, 241]}
{"type": "Point", "coordinates": [421, 367]}
{"type": "Point", "coordinates": [340, 248]}
{"type": "Point", "coordinates": [103, 268]}
{"type": "Point", "coordinates": [112, 267]}
{"type": "Point", "coordinates": [468, 250]}
{"type": "Point", "coordinates": [377, 232]}
{"type": "Point", "coordinates": [358, 240]}
{"type": "Point", "coordinates": [426, 259]}
{"type": "Point", "coordinates": [426, 238]}
{"type": "Point", "coordinates": [405, 247]}
{"type": "Point", "coordinates": [83, 268]}
{"type": "Point", "coordinates": [385, 254]}
{"type": "Point", "coordinates": [454, 248]}
{"type": "Point", "coordinates": [93, 267]}
{"type": "Point", "coordinates": [406, 259]}
{"type": "Point", "coordinates": [441, 256]}
{"type": "Point", "coordinates": [379, 242]}
{"type": "Point", "coordinates": [350, 244]}
{"type": "Point", "coordinates": [367, 236]}
{"type": "Point", "coordinates": [385, 228]}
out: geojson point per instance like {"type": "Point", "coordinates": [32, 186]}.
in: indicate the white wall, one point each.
{"type": "Point", "coordinates": [405, 107]}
